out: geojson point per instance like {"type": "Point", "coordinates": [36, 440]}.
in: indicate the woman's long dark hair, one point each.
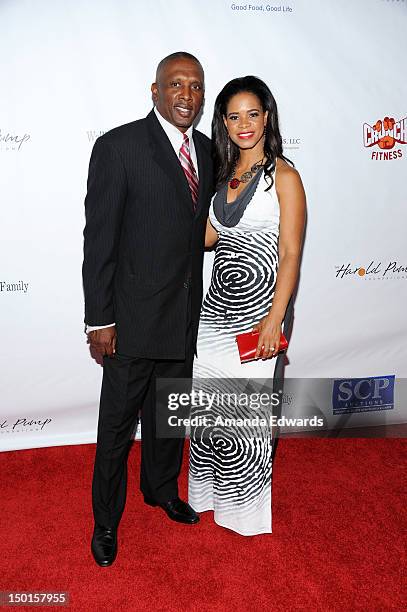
{"type": "Point", "coordinates": [273, 144]}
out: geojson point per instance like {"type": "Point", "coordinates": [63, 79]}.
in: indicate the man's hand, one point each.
{"type": "Point", "coordinates": [103, 340]}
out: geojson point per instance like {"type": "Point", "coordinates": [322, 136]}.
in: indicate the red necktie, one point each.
{"type": "Point", "coordinates": [189, 170]}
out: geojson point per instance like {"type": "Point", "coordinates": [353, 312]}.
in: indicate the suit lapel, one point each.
{"type": "Point", "coordinates": [164, 155]}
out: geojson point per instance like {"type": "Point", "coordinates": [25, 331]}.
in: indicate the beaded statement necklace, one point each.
{"type": "Point", "coordinates": [234, 182]}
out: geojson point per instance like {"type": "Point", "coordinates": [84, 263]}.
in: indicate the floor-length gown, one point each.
{"type": "Point", "coordinates": [230, 468]}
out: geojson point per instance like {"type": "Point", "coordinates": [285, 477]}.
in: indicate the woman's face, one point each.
{"type": "Point", "coordinates": [245, 120]}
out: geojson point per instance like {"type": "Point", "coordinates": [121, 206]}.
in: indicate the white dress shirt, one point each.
{"type": "Point", "coordinates": [176, 138]}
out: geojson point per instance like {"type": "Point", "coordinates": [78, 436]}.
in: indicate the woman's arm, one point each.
{"type": "Point", "coordinates": [211, 235]}
{"type": "Point", "coordinates": [291, 197]}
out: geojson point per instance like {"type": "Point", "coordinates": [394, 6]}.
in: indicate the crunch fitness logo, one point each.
{"type": "Point", "coordinates": [385, 134]}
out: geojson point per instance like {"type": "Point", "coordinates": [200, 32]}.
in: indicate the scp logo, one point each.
{"type": "Point", "coordinates": [384, 134]}
{"type": "Point", "coordinates": [363, 394]}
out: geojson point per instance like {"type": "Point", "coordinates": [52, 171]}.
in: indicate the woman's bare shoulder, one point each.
{"type": "Point", "coordinates": [287, 177]}
{"type": "Point", "coordinates": [283, 168]}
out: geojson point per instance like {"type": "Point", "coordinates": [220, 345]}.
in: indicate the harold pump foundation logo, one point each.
{"type": "Point", "coordinates": [375, 270]}
{"type": "Point", "coordinates": [384, 135]}
{"type": "Point", "coordinates": [23, 425]}
{"type": "Point", "coordinates": [11, 141]}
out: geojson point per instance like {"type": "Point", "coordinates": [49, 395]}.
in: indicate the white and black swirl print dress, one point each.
{"type": "Point", "coordinates": [231, 467]}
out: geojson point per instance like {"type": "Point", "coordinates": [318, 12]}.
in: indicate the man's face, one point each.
{"type": "Point", "coordinates": [179, 91]}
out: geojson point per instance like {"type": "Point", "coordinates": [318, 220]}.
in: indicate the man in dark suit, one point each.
{"type": "Point", "coordinates": [149, 190]}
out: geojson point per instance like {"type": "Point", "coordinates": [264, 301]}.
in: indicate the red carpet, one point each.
{"type": "Point", "coordinates": [338, 517]}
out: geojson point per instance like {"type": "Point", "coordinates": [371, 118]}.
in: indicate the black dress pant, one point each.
{"type": "Point", "coordinates": [128, 386]}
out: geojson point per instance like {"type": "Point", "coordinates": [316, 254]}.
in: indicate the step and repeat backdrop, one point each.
{"type": "Point", "coordinates": [70, 71]}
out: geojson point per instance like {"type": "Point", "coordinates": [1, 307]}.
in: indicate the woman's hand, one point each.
{"type": "Point", "coordinates": [269, 336]}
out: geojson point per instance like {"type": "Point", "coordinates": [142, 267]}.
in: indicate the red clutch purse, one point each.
{"type": "Point", "coordinates": [247, 345]}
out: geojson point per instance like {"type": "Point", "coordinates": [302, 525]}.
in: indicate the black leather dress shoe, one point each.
{"type": "Point", "coordinates": [176, 509]}
{"type": "Point", "coordinates": [104, 545]}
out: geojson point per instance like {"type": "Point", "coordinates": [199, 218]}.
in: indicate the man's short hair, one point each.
{"type": "Point", "coordinates": [173, 56]}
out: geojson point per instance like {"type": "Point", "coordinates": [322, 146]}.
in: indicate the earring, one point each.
{"type": "Point", "coordinates": [265, 130]}
{"type": "Point", "coordinates": [228, 150]}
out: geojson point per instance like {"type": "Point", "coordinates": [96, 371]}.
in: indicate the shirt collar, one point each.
{"type": "Point", "coordinates": [173, 133]}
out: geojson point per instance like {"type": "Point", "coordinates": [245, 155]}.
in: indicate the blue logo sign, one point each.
{"type": "Point", "coordinates": [363, 394]}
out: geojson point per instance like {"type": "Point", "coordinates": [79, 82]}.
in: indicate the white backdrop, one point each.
{"type": "Point", "coordinates": [72, 70]}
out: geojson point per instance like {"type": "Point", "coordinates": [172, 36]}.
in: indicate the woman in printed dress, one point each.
{"type": "Point", "coordinates": [256, 220]}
